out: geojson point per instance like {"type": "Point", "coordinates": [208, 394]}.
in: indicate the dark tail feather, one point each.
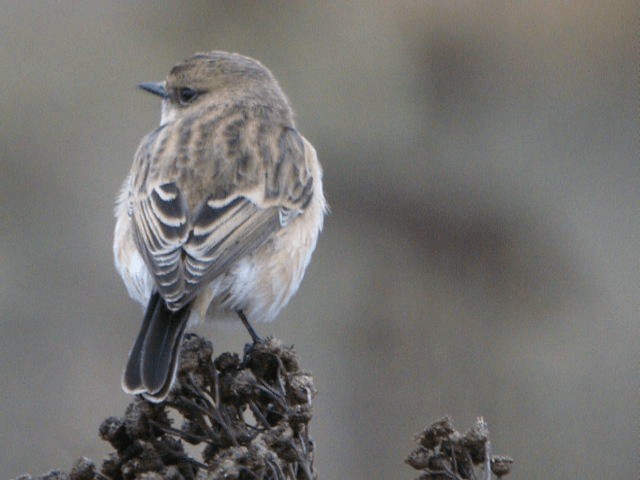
{"type": "Point", "coordinates": [132, 377]}
{"type": "Point", "coordinates": [154, 358]}
{"type": "Point", "coordinates": [161, 348]}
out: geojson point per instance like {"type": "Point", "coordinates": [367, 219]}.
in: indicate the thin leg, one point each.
{"type": "Point", "coordinates": [254, 336]}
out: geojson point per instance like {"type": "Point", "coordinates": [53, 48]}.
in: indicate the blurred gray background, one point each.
{"type": "Point", "coordinates": [481, 257]}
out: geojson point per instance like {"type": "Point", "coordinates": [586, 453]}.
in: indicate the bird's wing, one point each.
{"type": "Point", "coordinates": [161, 227]}
{"type": "Point", "coordinates": [221, 236]}
{"type": "Point", "coordinates": [262, 181]}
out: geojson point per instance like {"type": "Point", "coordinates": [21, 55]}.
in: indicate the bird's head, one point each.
{"type": "Point", "coordinates": [217, 78]}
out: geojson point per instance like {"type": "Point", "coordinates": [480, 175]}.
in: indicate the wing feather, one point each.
{"type": "Point", "coordinates": [222, 235]}
{"type": "Point", "coordinates": [161, 227]}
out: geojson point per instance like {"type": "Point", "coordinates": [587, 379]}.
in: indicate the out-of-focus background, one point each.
{"type": "Point", "coordinates": [482, 252]}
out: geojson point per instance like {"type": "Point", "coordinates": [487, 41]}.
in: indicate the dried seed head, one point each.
{"type": "Point", "coordinates": [501, 465]}
{"type": "Point", "coordinates": [435, 433]}
{"type": "Point", "coordinates": [83, 469]}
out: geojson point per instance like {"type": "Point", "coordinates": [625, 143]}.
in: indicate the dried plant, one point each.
{"type": "Point", "coordinates": [445, 454]}
{"type": "Point", "coordinates": [246, 419]}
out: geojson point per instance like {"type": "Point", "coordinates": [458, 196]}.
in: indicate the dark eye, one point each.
{"type": "Point", "coordinates": [185, 95]}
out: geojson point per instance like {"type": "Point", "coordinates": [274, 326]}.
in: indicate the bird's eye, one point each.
{"type": "Point", "coordinates": [186, 95]}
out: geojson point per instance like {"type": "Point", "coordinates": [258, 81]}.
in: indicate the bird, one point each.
{"type": "Point", "coordinates": [220, 212]}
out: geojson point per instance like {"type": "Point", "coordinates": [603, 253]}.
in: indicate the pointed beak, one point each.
{"type": "Point", "coordinates": [156, 88]}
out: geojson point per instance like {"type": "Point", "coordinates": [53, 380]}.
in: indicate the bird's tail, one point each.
{"type": "Point", "coordinates": [153, 360]}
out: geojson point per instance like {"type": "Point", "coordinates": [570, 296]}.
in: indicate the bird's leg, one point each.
{"type": "Point", "coordinates": [254, 336]}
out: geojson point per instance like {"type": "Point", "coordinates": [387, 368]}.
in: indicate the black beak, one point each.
{"type": "Point", "coordinates": [156, 88]}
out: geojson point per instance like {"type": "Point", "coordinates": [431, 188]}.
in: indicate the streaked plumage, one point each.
{"type": "Point", "coordinates": [220, 212]}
